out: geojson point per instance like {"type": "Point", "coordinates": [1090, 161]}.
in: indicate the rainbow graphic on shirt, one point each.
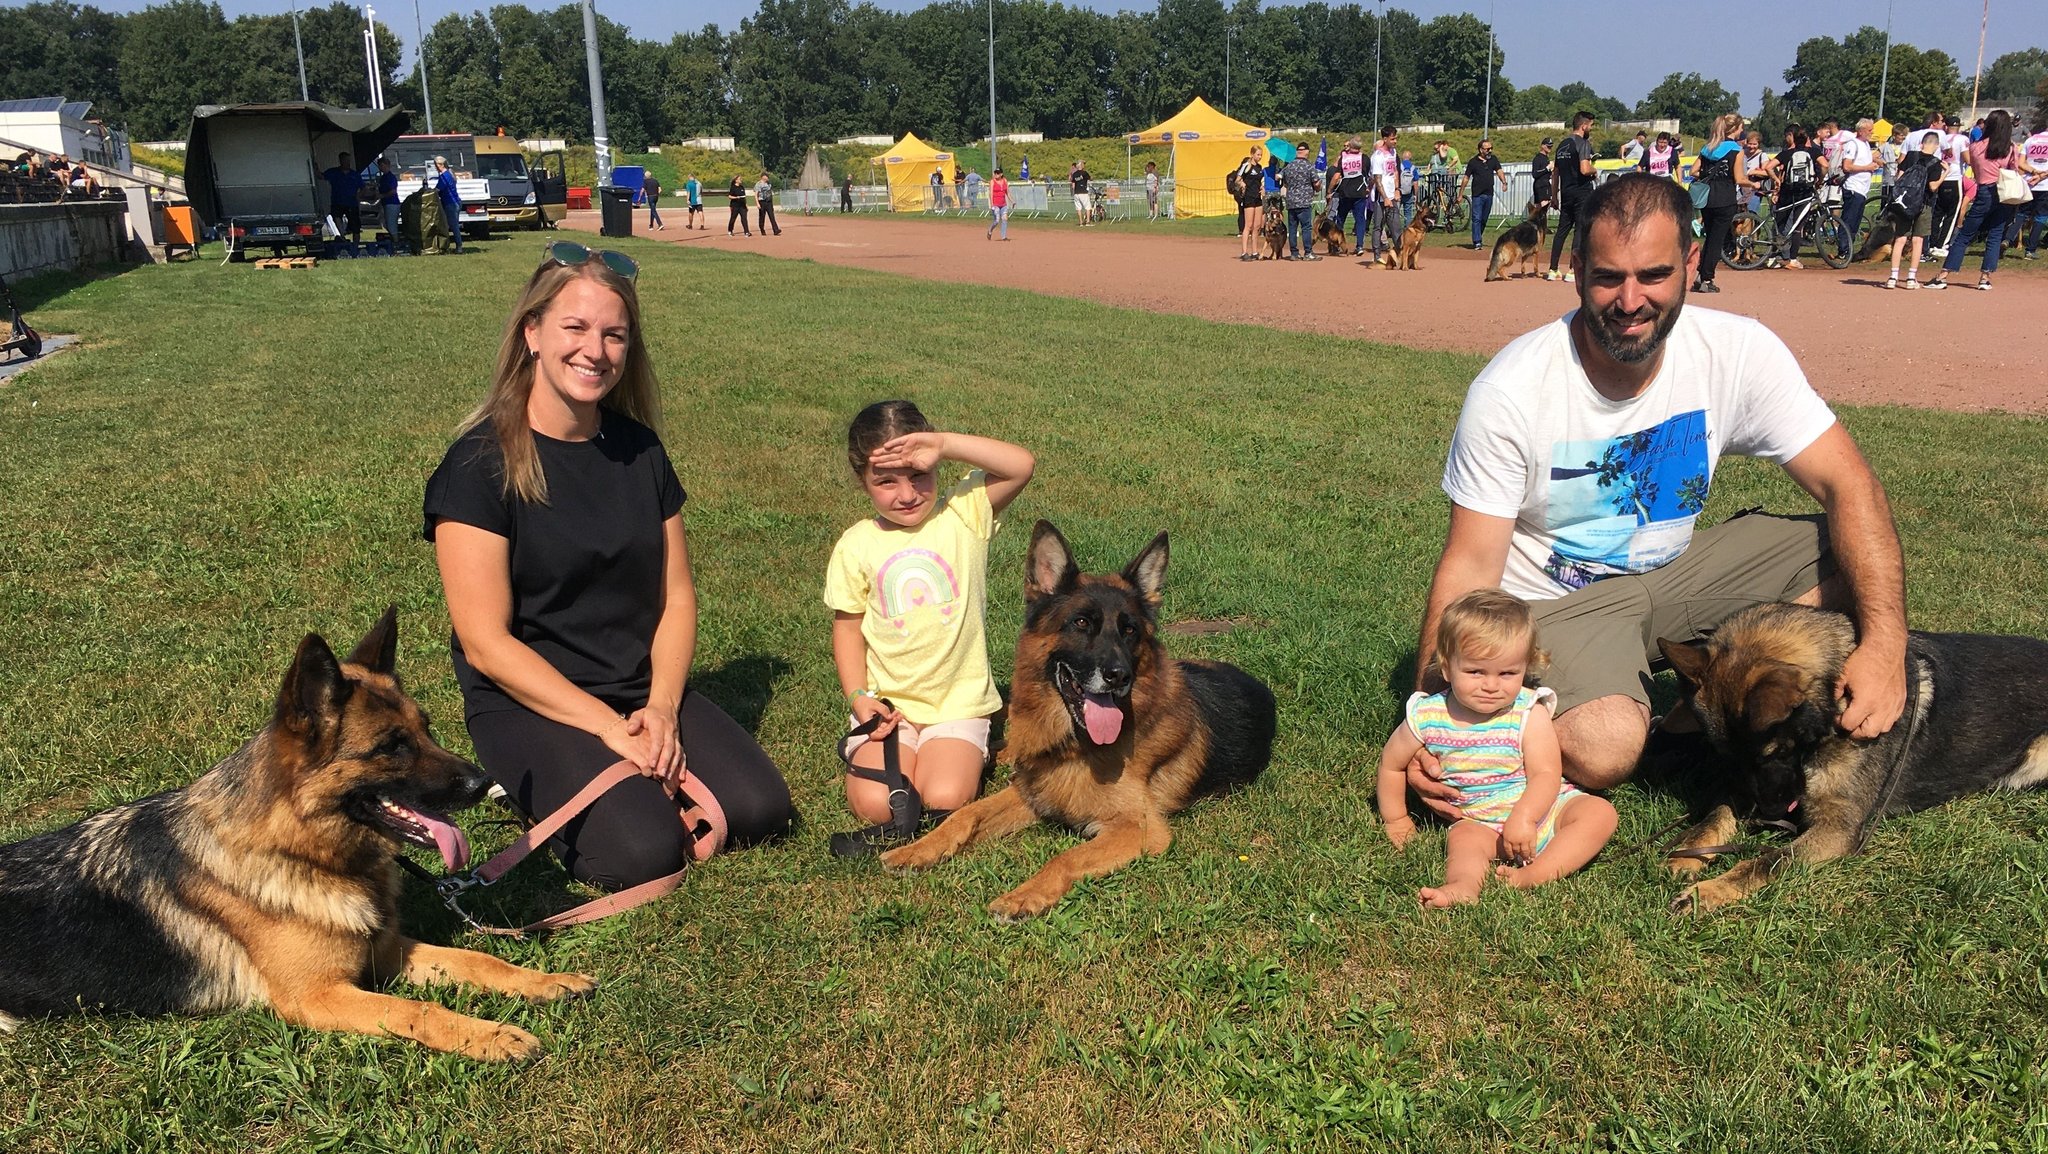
{"type": "Point", "coordinates": [915, 579]}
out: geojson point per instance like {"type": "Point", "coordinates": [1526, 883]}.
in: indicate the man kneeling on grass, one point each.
{"type": "Point", "coordinates": [1584, 455]}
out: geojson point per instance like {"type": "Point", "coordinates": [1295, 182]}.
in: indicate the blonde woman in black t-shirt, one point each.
{"type": "Point", "coordinates": [556, 519]}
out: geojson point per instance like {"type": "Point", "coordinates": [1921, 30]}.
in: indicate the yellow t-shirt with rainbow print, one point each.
{"type": "Point", "coordinates": [923, 595]}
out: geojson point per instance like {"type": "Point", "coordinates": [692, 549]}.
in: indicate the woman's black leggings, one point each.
{"type": "Point", "coordinates": [634, 833]}
{"type": "Point", "coordinates": [738, 217]}
{"type": "Point", "coordinates": [1714, 226]}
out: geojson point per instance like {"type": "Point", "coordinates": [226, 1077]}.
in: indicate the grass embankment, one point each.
{"type": "Point", "coordinates": [197, 487]}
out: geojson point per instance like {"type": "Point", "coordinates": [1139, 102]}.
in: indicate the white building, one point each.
{"type": "Point", "coordinates": [710, 143]}
{"type": "Point", "coordinates": [53, 124]}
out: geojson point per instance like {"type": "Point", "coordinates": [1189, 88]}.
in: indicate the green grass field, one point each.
{"type": "Point", "coordinates": [235, 457]}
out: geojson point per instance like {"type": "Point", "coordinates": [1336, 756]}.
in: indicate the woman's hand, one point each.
{"type": "Point", "coordinates": [918, 452]}
{"type": "Point", "coordinates": [657, 728]}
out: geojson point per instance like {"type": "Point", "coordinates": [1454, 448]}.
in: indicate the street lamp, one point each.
{"type": "Point", "coordinates": [370, 57]}
{"type": "Point", "coordinates": [1486, 112]}
{"type": "Point", "coordinates": [599, 136]}
{"type": "Point", "coordinates": [421, 37]}
{"type": "Point", "coordinates": [299, 48]}
{"type": "Point", "coordinates": [1228, 32]}
{"type": "Point", "coordinates": [1885, 74]}
{"type": "Point", "coordinates": [992, 86]}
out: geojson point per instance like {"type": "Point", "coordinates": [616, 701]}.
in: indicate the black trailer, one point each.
{"type": "Point", "coordinates": [253, 170]}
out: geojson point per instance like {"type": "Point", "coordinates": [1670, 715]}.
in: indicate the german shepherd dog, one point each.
{"type": "Point", "coordinates": [1520, 245]}
{"type": "Point", "coordinates": [1404, 252]}
{"type": "Point", "coordinates": [1330, 233]}
{"type": "Point", "coordinates": [270, 879]}
{"type": "Point", "coordinates": [1763, 686]}
{"type": "Point", "coordinates": [1273, 228]}
{"type": "Point", "coordinates": [1109, 735]}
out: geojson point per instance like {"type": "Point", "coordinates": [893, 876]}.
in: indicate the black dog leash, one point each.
{"type": "Point", "coordinates": [906, 808]}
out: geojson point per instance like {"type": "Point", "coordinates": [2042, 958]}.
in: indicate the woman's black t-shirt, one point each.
{"type": "Point", "coordinates": [586, 567]}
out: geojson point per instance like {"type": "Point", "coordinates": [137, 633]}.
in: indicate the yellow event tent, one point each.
{"type": "Point", "coordinates": [1206, 147]}
{"type": "Point", "coordinates": [909, 167]}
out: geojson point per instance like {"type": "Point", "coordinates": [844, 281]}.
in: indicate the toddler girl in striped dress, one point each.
{"type": "Point", "coordinates": [1494, 738]}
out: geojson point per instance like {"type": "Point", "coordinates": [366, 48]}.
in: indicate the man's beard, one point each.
{"type": "Point", "coordinates": [1606, 332]}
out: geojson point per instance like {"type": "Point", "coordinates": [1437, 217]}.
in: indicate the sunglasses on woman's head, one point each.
{"type": "Point", "coordinates": [570, 254]}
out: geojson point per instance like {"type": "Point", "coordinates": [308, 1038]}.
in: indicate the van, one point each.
{"type": "Point", "coordinates": [412, 158]}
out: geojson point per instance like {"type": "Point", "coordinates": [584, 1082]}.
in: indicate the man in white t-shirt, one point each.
{"type": "Point", "coordinates": [1856, 161]}
{"type": "Point", "coordinates": [1584, 454]}
{"type": "Point", "coordinates": [2035, 149]}
{"type": "Point", "coordinates": [1385, 170]}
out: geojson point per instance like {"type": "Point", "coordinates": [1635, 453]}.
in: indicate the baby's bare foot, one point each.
{"type": "Point", "coordinates": [1444, 897]}
{"type": "Point", "coordinates": [1522, 877]}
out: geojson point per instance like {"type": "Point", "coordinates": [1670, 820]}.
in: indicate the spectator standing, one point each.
{"type": "Point", "coordinates": [1482, 175]}
{"type": "Point", "coordinates": [1574, 168]}
{"type": "Point", "coordinates": [938, 190]}
{"type": "Point", "coordinates": [960, 188]}
{"type": "Point", "coordinates": [1633, 152]}
{"type": "Point", "coordinates": [1084, 203]}
{"type": "Point", "coordinates": [451, 200]}
{"type": "Point", "coordinates": [846, 192]}
{"type": "Point", "coordinates": [1352, 192]}
{"type": "Point", "coordinates": [695, 192]}
{"type": "Point", "coordinates": [736, 201]}
{"type": "Point", "coordinates": [999, 206]}
{"type": "Point", "coordinates": [650, 186]}
{"type": "Point", "coordinates": [1385, 171]}
{"type": "Point", "coordinates": [1909, 201]}
{"type": "Point", "coordinates": [388, 201]}
{"type": "Point", "coordinates": [1828, 139]}
{"type": "Point", "coordinates": [1890, 151]}
{"type": "Point", "coordinates": [1298, 182]}
{"type": "Point", "coordinates": [1720, 165]}
{"type": "Point", "coordinates": [1273, 204]}
{"type": "Point", "coordinates": [973, 188]}
{"type": "Point", "coordinates": [1798, 181]}
{"type": "Point", "coordinates": [1542, 190]}
{"type": "Point", "coordinates": [1988, 158]}
{"type": "Point", "coordinates": [344, 190]}
{"type": "Point", "coordinates": [764, 207]}
{"type": "Point", "coordinates": [1405, 184]}
{"type": "Point", "coordinates": [1248, 176]}
{"type": "Point", "coordinates": [1250, 195]}
{"type": "Point", "coordinates": [1151, 190]}
{"type": "Point", "coordinates": [1757, 167]}
{"type": "Point", "coordinates": [1948, 201]}
{"type": "Point", "coordinates": [1660, 159]}
{"type": "Point", "coordinates": [1858, 161]}
{"type": "Point", "coordinates": [2036, 151]}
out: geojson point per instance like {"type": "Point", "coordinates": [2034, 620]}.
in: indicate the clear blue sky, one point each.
{"type": "Point", "coordinates": [1621, 47]}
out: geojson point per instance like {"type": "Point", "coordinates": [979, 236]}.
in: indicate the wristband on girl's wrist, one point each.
{"type": "Point", "coordinates": [857, 694]}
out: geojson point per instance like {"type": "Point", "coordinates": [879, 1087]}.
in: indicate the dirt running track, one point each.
{"type": "Point", "coordinates": [1819, 312]}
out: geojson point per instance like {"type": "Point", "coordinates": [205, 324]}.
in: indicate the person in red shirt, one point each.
{"type": "Point", "coordinates": [999, 205]}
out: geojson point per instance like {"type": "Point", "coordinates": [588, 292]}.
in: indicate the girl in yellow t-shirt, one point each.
{"type": "Point", "coordinates": [908, 591]}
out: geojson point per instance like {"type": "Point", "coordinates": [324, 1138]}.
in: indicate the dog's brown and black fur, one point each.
{"type": "Point", "coordinates": [1273, 230]}
{"type": "Point", "coordinates": [1330, 233]}
{"type": "Point", "coordinates": [1089, 667]}
{"type": "Point", "coordinates": [270, 880]}
{"type": "Point", "coordinates": [1409, 246]}
{"type": "Point", "coordinates": [1763, 687]}
{"type": "Point", "coordinates": [1520, 245]}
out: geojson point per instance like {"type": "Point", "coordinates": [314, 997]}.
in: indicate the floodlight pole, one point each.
{"type": "Point", "coordinates": [370, 56]}
{"type": "Point", "coordinates": [421, 36]}
{"type": "Point", "coordinates": [1885, 74]}
{"type": "Point", "coordinates": [1229, 30]}
{"type": "Point", "coordinates": [1486, 111]}
{"type": "Point", "coordinates": [1379, 33]}
{"type": "Point", "coordinates": [992, 164]}
{"type": "Point", "coordinates": [597, 130]}
{"type": "Point", "coordinates": [299, 47]}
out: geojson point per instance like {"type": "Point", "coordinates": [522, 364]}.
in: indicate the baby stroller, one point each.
{"type": "Point", "coordinates": [20, 337]}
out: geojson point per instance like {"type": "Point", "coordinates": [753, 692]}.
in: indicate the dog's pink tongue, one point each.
{"type": "Point", "coordinates": [1104, 720]}
{"type": "Point", "coordinates": [452, 842]}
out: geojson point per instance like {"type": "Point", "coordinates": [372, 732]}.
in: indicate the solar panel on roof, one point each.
{"type": "Point", "coordinates": [33, 104]}
{"type": "Point", "coordinates": [76, 109]}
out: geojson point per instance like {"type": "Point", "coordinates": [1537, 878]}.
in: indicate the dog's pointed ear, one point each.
{"type": "Point", "coordinates": [1780, 690]}
{"type": "Point", "coordinates": [1049, 568]}
{"type": "Point", "coordinates": [1147, 571]}
{"type": "Point", "coordinates": [314, 689]}
{"type": "Point", "coordinates": [378, 650]}
{"type": "Point", "coordinates": [1688, 661]}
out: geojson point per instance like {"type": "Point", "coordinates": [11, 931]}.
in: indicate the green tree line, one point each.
{"type": "Point", "coordinates": [799, 72]}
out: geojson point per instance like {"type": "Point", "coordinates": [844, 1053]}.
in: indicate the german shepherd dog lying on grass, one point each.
{"type": "Point", "coordinates": [269, 880]}
{"type": "Point", "coordinates": [1520, 245]}
{"type": "Point", "coordinates": [1763, 686]}
{"type": "Point", "coordinates": [1109, 735]}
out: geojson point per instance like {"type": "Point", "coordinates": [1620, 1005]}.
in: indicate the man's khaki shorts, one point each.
{"type": "Point", "coordinates": [1602, 639]}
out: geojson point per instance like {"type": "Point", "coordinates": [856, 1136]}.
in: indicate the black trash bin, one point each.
{"type": "Point", "coordinates": [616, 205]}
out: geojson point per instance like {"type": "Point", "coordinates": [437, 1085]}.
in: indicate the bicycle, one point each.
{"type": "Point", "coordinates": [1755, 240]}
{"type": "Point", "coordinates": [1440, 196]}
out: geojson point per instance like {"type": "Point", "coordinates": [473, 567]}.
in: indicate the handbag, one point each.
{"type": "Point", "coordinates": [2012, 187]}
{"type": "Point", "coordinates": [1699, 193]}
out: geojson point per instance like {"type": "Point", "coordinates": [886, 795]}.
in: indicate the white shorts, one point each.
{"type": "Point", "coordinates": [973, 731]}
{"type": "Point", "coordinates": [1084, 201]}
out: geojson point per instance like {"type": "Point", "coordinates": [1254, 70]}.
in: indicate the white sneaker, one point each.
{"type": "Point", "coordinates": [1939, 252]}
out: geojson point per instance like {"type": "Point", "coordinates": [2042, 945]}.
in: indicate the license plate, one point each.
{"type": "Point", "coordinates": [270, 230]}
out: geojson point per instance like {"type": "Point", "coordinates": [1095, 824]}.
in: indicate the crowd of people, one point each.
{"type": "Point", "coordinates": [39, 177]}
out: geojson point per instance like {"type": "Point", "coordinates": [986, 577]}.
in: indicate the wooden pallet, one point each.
{"type": "Point", "coordinates": [288, 262]}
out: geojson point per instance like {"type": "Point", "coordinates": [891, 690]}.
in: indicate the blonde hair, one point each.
{"type": "Point", "coordinates": [1487, 621]}
{"type": "Point", "coordinates": [637, 395]}
{"type": "Point", "coordinates": [1727, 126]}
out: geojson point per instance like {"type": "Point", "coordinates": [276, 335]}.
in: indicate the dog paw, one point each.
{"type": "Point", "coordinates": [909, 859]}
{"type": "Point", "coordinates": [553, 987]}
{"type": "Point", "coordinates": [1685, 867]}
{"type": "Point", "coordinates": [1704, 897]}
{"type": "Point", "coordinates": [1021, 904]}
{"type": "Point", "coordinates": [503, 1044]}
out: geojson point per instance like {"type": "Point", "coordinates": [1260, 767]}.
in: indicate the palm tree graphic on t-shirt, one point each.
{"type": "Point", "coordinates": [1649, 479]}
